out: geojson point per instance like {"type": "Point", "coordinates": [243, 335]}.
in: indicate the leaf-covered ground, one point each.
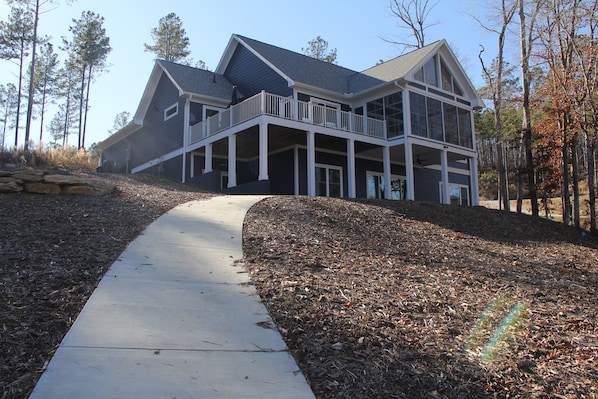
{"type": "Point", "coordinates": [375, 299]}
{"type": "Point", "coordinates": [415, 300]}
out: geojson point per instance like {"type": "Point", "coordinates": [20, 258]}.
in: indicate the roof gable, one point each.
{"type": "Point", "coordinates": [301, 69]}
{"type": "Point", "coordinates": [191, 80]}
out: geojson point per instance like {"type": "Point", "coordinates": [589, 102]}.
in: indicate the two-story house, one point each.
{"type": "Point", "coordinates": [269, 120]}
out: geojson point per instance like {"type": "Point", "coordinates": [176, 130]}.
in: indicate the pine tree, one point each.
{"type": "Point", "coordinates": [46, 72]}
{"type": "Point", "coordinates": [90, 47]}
{"type": "Point", "coordinates": [170, 40]}
{"type": "Point", "coordinates": [318, 49]}
{"type": "Point", "coordinates": [15, 42]}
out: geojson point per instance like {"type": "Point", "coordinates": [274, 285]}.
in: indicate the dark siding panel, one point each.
{"type": "Point", "coordinates": [427, 186]}
{"type": "Point", "coordinates": [252, 75]}
{"type": "Point", "coordinates": [281, 173]}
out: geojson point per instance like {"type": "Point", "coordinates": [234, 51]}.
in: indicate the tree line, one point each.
{"type": "Point", "coordinates": [45, 78]}
{"type": "Point", "coordinates": [540, 129]}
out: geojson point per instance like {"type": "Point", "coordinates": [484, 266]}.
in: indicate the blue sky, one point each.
{"type": "Point", "coordinates": [353, 27]}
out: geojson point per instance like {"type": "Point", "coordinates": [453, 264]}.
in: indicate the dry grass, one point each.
{"type": "Point", "coordinates": [69, 158]}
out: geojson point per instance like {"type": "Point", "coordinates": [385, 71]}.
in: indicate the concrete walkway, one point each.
{"type": "Point", "coordinates": [176, 317]}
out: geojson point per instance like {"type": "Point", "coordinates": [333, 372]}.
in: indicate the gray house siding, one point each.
{"type": "Point", "coordinates": [252, 75]}
{"type": "Point", "coordinates": [157, 136]}
{"type": "Point", "coordinates": [281, 172]}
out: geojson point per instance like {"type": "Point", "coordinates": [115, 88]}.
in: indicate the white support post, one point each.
{"type": "Point", "coordinates": [263, 102]}
{"type": "Point", "coordinates": [351, 167]}
{"type": "Point", "coordinates": [446, 192]}
{"type": "Point", "coordinates": [409, 171]}
{"type": "Point", "coordinates": [232, 161]}
{"type": "Point", "coordinates": [263, 152]}
{"type": "Point", "coordinates": [311, 163]}
{"type": "Point", "coordinates": [473, 180]}
{"type": "Point", "coordinates": [387, 172]}
{"type": "Point", "coordinates": [208, 159]}
{"type": "Point", "coordinates": [296, 176]}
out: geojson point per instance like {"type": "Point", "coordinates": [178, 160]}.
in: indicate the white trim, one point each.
{"type": "Point", "coordinates": [460, 186]}
{"type": "Point", "coordinates": [328, 167]}
{"type": "Point", "coordinates": [369, 173]}
{"type": "Point", "coordinates": [168, 115]}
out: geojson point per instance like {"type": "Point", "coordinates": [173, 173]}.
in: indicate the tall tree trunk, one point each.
{"type": "Point", "coordinates": [566, 200]}
{"type": "Point", "coordinates": [591, 151]}
{"type": "Point", "coordinates": [81, 101]}
{"type": "Point", "coordinates": [19, 93]}
{"type": "Point", "coordinates": [42, 112]}
{"type": "Point", "coordinates": [31, 77]}
{"type": "Point", "coordinates": [86, 107]}
{"type": "Point", "coordinates": [575, 181]}
{"type": "Point", "coordinates": [526, 40]}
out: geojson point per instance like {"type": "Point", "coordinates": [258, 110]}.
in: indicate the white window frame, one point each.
{"type": "Point", "coordinates": [461, 199]}
{"type": "Point", "coordinates": [327, 168]}
{"type": "Point", "coordinates": [392, 177]}
{"type": "Point", "coordinates": [168, 115]}
{"type": "Point", "coordinates": [209, 107]}
{"type": "Point", "coordinates": [223, 180]}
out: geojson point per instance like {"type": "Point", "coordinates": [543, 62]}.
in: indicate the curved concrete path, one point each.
{"type": "Point", "coordinates": [176, 317]}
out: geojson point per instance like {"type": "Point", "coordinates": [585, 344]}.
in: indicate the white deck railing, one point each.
{"type": "Point", "coordinates": [287, 108]}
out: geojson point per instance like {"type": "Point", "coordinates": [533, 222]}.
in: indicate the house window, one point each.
{"type": "Point", "coordinates": [419, 123]}
{"type": "Point", "coordinates": [329, 182]}
{"type": "Point", "coordinates": [459, 194]}
{"type": "Point", "coordinates": [448, 81]}
{"type": "Point", "coordinates": [210, 111]}
{"type": "Point", "coordinates": [375, 186]}
{"type": "Point", "coordinates": [428, 73]}
{"type": "Point", "coordinates": [223, 180]}
{"type": "Point", "coordinates": [171, 111]}
{"type": "Point", "coordinates": [393, 112]}
{"type": "Point", "coordinates": [440, 121]}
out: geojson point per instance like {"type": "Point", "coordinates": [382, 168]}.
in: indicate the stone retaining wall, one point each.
{"type": "Point", "coordinates": [45, 182]}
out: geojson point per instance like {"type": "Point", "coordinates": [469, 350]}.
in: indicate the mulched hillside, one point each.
{"type": "Point", "coordinates": [416, 300]}
{"type": "Point", "coordinates": [375, 299]}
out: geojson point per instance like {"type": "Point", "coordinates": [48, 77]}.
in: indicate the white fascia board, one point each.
{"type": "Point", "coordinates": [207, 100]}
{"type": "Point", "coordinates": [149, 91]}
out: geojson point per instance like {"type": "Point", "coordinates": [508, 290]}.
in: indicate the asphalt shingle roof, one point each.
{"type": "Point", "coordinates": [199, 81]}
{"type": "Point", "coordinates": [307, 70]}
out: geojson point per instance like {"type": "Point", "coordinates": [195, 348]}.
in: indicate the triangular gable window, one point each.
{"type": "Point", "coordinates": [449, 83]}
{"type": "Point", "coordinates": [428, 73]}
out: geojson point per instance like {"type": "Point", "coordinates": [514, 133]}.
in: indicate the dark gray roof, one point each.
{"type": "Point", "coordinates": [198, 81]}
{"type": "Point", "coordinates": [307, 70]}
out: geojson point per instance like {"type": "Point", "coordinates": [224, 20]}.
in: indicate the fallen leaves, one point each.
{"type": "Point", "coordinates": [395, 291]}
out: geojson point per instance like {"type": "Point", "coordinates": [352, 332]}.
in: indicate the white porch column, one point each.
{"type": "Point", "coordinates": [473, 180]}
{"type": "Point", "coordinates": [296, 174]}
{"type": "Point", "coordinates": [311, 163]}
{"type": "Point", "coordinates": [351, 168]}
{"type": "Point", "coordinates": [232, 161]}
{"type": "Point", "coordinates": [446, 192]}
{"type": "Point", "coordinates": [263, 152]}
{"type": "Point", "coordinates": [387, 172]}
{"type": "Point", "coordinates": [409, 171]}
{"type": "Point", "coordinates": [208, 159]}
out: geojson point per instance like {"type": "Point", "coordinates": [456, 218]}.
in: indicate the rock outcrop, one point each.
{"type": "Point", "coordinates": [45, 182]}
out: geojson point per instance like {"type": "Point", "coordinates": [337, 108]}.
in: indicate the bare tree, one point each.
{"type": "Point", "coordinates": [526, 38]}
{"type": "Point", "coordinates": [413, 15]}
{"type": "Point", "coordinates": [508, 10]}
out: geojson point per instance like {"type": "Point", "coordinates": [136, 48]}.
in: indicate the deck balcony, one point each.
{"type": "Point", "coordinates": [289, 109]}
